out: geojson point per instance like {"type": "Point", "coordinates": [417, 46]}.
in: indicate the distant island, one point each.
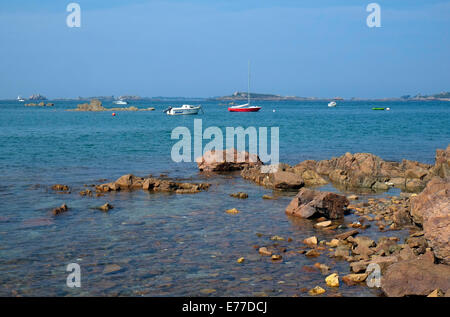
{"type": "Point", "coordinates": [242, 96]}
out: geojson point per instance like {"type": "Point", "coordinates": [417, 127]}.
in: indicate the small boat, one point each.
{"type": "Point", "coordinates": [245, 107]}
{"type": "Point", "coordinates": [120, 102]}
{"type": "Point", "coordinates": [20, 99]}
{"type": "Point", "coordinates": [183, 110]}
{"type": "Point", "coordinates": [332, 104]}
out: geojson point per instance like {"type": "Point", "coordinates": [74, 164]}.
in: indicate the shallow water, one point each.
{"type": "Point", "coordinates": [170, 244]}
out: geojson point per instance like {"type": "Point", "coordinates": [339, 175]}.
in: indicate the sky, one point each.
{"type": "Point", "coordinates": [201, 48]}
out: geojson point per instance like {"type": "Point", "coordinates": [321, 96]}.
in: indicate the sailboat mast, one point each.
{"type": "Point", "coordinates": [248, 85]}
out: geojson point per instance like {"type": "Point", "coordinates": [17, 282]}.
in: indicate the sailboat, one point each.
{"type": "Point", "coordinates": [245, 107]}
{"type": "Point", "coordinates": [20, 99]}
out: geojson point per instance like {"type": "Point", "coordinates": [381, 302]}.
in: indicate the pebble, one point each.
{"type": "Point", "coordinates": [316, 291]}
{"type": "Point", "coordinates": [332, 280]}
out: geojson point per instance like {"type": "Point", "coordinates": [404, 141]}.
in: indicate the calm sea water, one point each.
{"type": "Point", "coordinates": [176, 244]}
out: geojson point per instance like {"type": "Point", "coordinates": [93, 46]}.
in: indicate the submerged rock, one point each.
{"type": "Point", "coordinates": [239, 195]}
{"type": "Point", "coordinates": [105, 207]}
{"type": "Point", "coordinates": [59, 210]}
{"type": "Point", "coordinates": [308, 203]}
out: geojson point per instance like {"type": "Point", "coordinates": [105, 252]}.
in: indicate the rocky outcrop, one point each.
{"type": "Point", "coordinates": [279, 179]}
{"type": "Point", "coordinates": [415, 277]}
{"type": "Point", "coordinates": [431, 209]}
{"type": "Point", "coordinates": [365, 170]}
{"type": "Point", "coordinates": [308, 203]}
{"type": "Point", "coordinates": [40, 104]}
{"type": "Point", "coordinates": [227, 160]}
{"type": "Point", "coordinates": [94, 105]}
{"type": "Point", "coordinates": [131, 182]}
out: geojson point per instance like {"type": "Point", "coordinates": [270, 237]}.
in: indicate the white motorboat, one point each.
{"type": "Point", "coordinates": [20, 99]}
{"type": "Point", "coordinates": [332, 104]}
{"type": "Point", "coordinates": [183, 110]}
{"type": "Point", "coordinates": [120, 102]}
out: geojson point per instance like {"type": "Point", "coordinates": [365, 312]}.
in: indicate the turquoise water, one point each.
{"type": "Point", "coordinates": [175, 244]}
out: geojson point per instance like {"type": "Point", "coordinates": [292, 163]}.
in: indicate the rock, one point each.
{"type": "Point", "coordinates": [323, 224]}
{"type": "Point", "coordinates": [277, 238]}
{"type": "Point", "coordinates": [267, 197]}
{"type": "Point", "coordinates": [94, 105]}
{"type": "Point", "coordinates": [436, 293]}
{"type": "Point", "coordinates": [131, 182]}
{"type": "Point", "coordinates": [382, 261]}
{"type": "Point", "coordinates": [316, 291]}
{"type": "Point", "coordinates": [441, 166]}
{"type": "Point", "coordinates": [310, 241]}
{"type": "Point", "coordinates": [363, 247]}
{"type": "Point", "coordinates": [264, 251]}
{"type": "Point", "coordinates": [227, 160]}
{"type": "Point", "coordinates": [207, 291]}
{"type": "Point", "coordinates": [240, 195]}
{"type": "Point", "coordinates": [342, 251]}
{"type": "Point", "coordinates": [105, 207]}
{"type": "Point", "coordinates": [414, 185]}
{"type": "Point", "coordinates": [332, 280]}
{"type": "Point", "coordinates": [59, 210]}
{"type": "Point", "coordinates": [431, 208]}
{"type": "Point", "coordinates": [276, 257]}
{"type": "Point", "coordinates": [415, 277]}
{"type": "Point", "coordinates": [60, 187]}
{"type": "Point", "coordinates": [333, 243]}
{"type": "Point", "coordinates": [112, 268]}
{"type": "Point", "coordinates": [312, 253]}
{"type": "Point", "coordinates": [352, 197]}
{"type": "Point", "coordinates": [307, 170]}
{"type": "Point", "coordinates": [322, 267]}
{"type": "Point", "coordinates": [281, 180]}
{"type": "Point", "coordinates": [353, 279]}
{"type": "Point", "coordinates": [86, 192]}
{"type": "Point", "coordinates": [347, 234]}
{"type": "Point", "coordinates": [380, 186]}
{"type": "Point", "coordinates": [401, 217]}
{"type": "Point", "coordinates": [232, 211]}
{"type": "Point", "coordinates": [308, 203]}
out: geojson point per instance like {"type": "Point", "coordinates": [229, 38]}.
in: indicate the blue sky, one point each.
{"type": "Point", "coordinates": [201, 48]}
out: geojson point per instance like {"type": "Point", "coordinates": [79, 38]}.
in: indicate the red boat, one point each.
{"type": "Point", "coordinates": [244, 108]}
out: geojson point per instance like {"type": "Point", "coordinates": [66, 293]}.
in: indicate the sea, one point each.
{"type": "Point", "coordinates": [159, 244]}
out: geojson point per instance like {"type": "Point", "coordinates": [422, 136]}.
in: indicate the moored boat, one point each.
{"type": "Point", "coordinates": [183, 110]}
{"type": "Point", "coordinates": [120, 102]}
{"type": "Point", "coordinates": [245, 107]}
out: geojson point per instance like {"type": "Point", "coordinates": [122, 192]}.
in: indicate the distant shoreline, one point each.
{"type": "Point", "coordinates": [242, 96]}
